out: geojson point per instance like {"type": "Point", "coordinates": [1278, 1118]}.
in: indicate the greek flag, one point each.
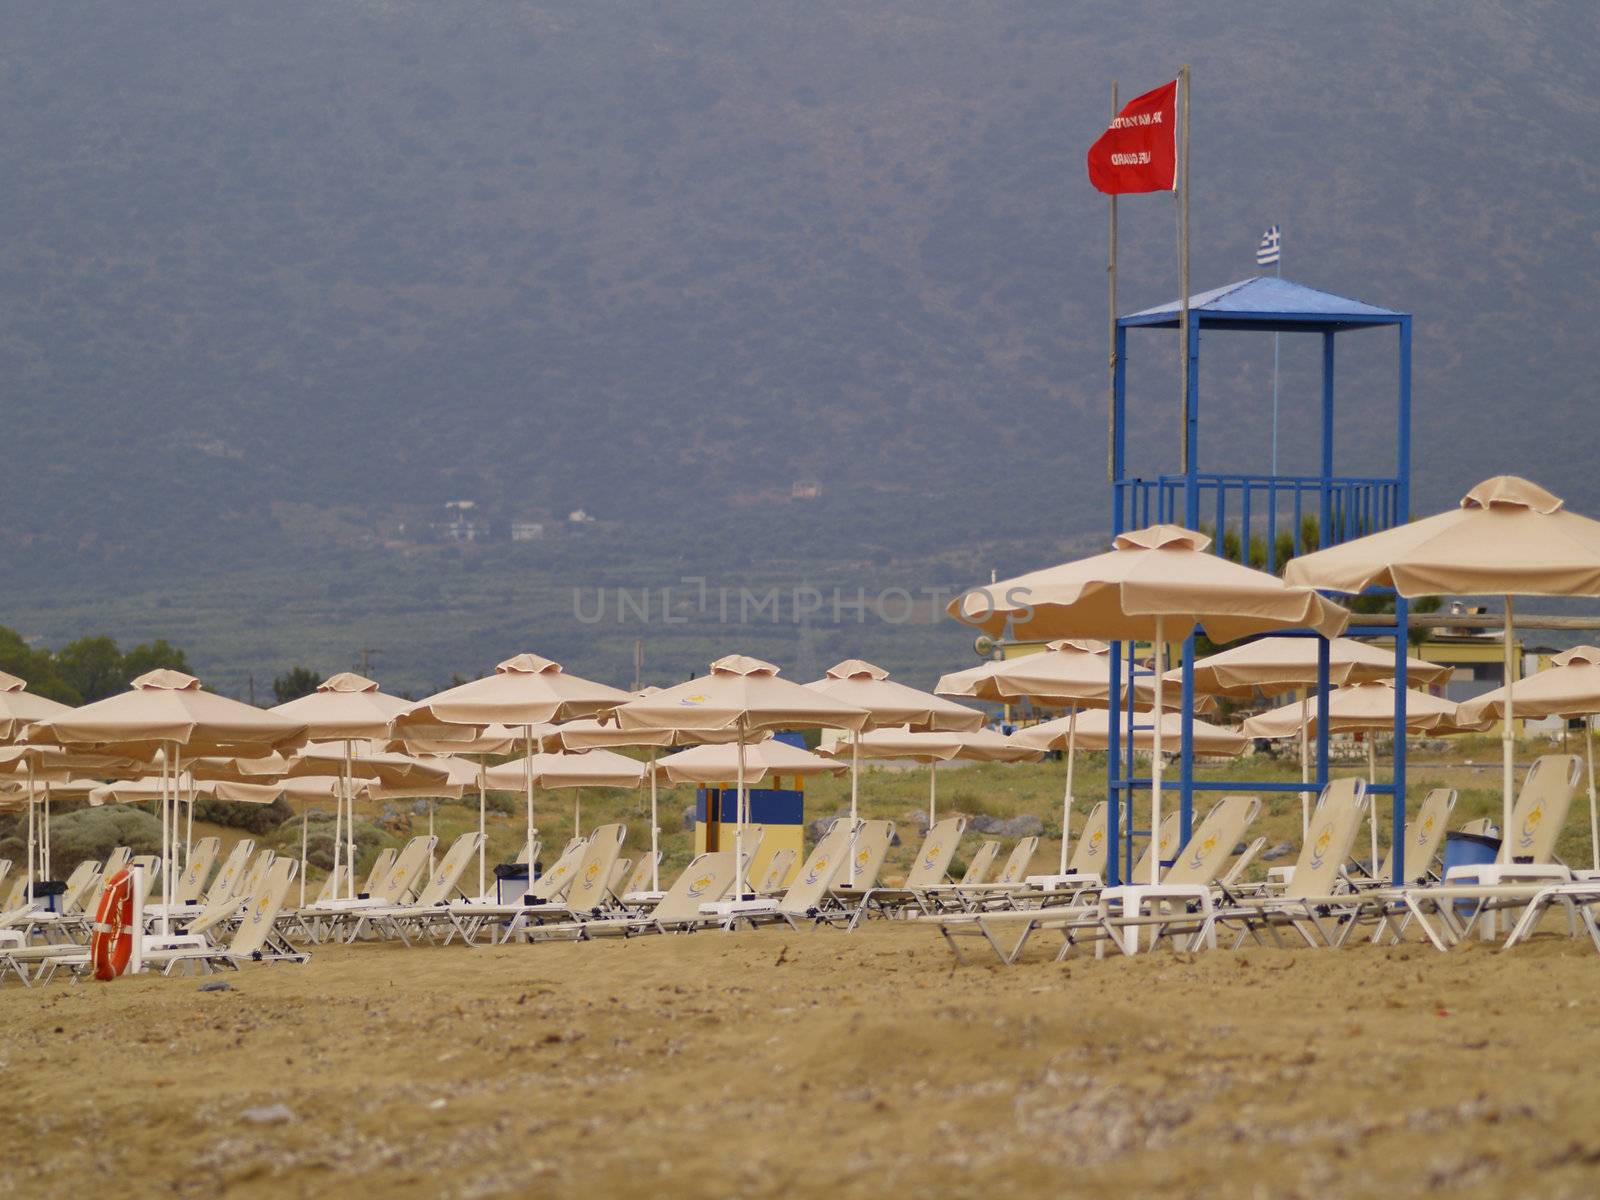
{"type": "Point", "coordinates": [1271, 248]}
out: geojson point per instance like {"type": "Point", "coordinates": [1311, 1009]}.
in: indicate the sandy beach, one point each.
{"type": "Point", "coordinates": [784, 1064]}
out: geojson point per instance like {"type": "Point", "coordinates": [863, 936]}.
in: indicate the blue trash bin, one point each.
{"type": "Point", "coordinates": [1468, 849]}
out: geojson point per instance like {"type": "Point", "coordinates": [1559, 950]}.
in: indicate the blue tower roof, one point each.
{"type": "Point", "coordinates": [1268, 302]}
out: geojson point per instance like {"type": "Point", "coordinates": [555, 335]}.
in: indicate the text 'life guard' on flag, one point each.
{"type": "Point", "coordinates": [1139, 151]}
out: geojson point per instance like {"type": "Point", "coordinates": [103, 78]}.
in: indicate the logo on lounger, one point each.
{"type": "Point", "coordinates": [1424, 829]}
{"type": "Point", "coordinates": [1319, 848]}
{"type": "Point", "coordinates": [931, 857]}
{"type": "Point", "coordinates": [1530, 826]}
{"type": "Point", "coordinates": [1205, 848]}
{"type": "Point", "coordinates": [699, 886]}
{"type": "Point", "coordinates": [591, 874]}
{"type": "Point", "coordinates": [260, 910]}
{"type": "Point", "coordinates": [816, 871]}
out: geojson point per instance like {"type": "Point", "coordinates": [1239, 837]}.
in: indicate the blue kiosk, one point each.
{"type": "Point", "coordinates": [1345, 506]}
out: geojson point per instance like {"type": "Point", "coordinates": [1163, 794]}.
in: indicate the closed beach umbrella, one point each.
{"type": "Point", "coordinates": [865, 686]}
{"type": "Point", "coordinates": [168, 709]}
{"type": "Point", "coordinates": [746, 696]}
{"type": "Point", "coordinates": [1153, 584]}
{"type": "Point", "coordinates": [524, 693]}
{"type": "Point", "coordinates": [1568, 687]}
{"type": "Point", "coordinates": [1508, 537]}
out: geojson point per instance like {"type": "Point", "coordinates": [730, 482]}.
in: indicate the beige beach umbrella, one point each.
{"type": "Point", "coordinates": [53, 767]}
{"type": "Point", "coordinates": [744, 695]}
{"type": "Point", "coordinates": [931, 749]}
{"type": "Point", "coordinates": [344, 708]}
{"type": "Point", "coordinates": [525, 692]}
{"type": "Point", "coordinates": [168, 709]}
{"type": "Point", "coordinates": [720, 762]}
{"type": "Point", "coordinates": [20, 708]}
{"type": "Point", "coordinates": [1568, 687]}
{"type": "Point", "coordinates": [1093, 732]}
{"type": "Point", "coordinates": [1153, 584]}
{"type": "Point", "coordinates": [866, 686]}
{"type": "Point", "coordinates": [1354, 708]}
{"type": "Point", "coordinates": [1278, 664]}
{"type": "Point", "coordinates": [1508, 537]}
{"type": "Point", "coordinates": [576, 769]}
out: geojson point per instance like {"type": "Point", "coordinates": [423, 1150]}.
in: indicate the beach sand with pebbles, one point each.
{"type": "Point", "coordinates": [776, 1064]}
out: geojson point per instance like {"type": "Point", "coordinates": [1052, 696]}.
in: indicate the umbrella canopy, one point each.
{"type": "Point", "coordinates": [523, 691]}
{"type": "Point", "coordinates": [1281, 664]}
{"type": "Point", "coordinates": [344, 706]}
{"type": "Point", "coordinates": [1360, 706]}
{"type": "Point", "coordinates": [980, 745]}
{"type": "Point", "coordinates": [1094, 732]}
{"type": "Point", "coordinates": [1508, 537]}
{"type": "Point", "coordinates": [1155, 582]}
{"type": "Point", "coordinates": [20, 708]}
{"type": "Point", "coordinates": [461, 739]}
{"type": "Point", "coordinates": [169, 706]}
{"type": "Point", "coordinates": [1068, 672]}
{"type": "Point", "coordinates": [862, 685]}
{"type": "Point", "coordinates": [139, 791]}
{"type": "Point", "coordinates": [740, 693]}
{"type": "Point", "coordinates": [553, 769]}
{"type": "Point", "coordinates": [720, 763]}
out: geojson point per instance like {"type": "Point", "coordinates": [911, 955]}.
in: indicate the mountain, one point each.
{"type": "Point", "coordinates": [779, 293]}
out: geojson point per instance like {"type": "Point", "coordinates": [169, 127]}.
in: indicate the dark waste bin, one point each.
{"type": "Point", "coordinates": [1463, 849]}
{"type": "Point", "coordinates": [511, 881]}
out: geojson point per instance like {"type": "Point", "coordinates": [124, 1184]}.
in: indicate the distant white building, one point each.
{"type": "Point", "coordinates": [578, 517]}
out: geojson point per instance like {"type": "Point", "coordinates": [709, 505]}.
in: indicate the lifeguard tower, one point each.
{"type": "Point", "coordinates": [1259, 506]}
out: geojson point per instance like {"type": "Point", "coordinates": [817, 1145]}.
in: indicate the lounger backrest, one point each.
{"type": "Point", "coordinates": [117, 860]}
{"type": "Point", "coordinates": [619, 873]}
{"type": "Point", "coordinates": [5, 870]}
{"type": "Point", "coordinates": [639, 881]}
{"type": "Point", "coordinates": [704, 881]}
{"type": "Point", "coordinates": [198, 869]}
{"type": "Point", "coordinates": [442, 883]}
{"type": "Point", "coordinates": [554, 882]}
{"type": "Point", "coordinates": [1541, 809]}
{"type": "Point", "coordinates": [14, 899]}
{"type": "Point", "coordinates": [756, 851]}
{"type": "Point", "coordinates": [232, 868]}
{"type": "Point", "coordinates": [591, 882]}
{"type": "Point", "coordinates": [83, 878]}
{"type": "Point", "coordinates": [333, 885]}
{"type": "Point", "coordinates": [1168, 848]}
{"type": "Point", "coordinates": [1333, 830]}
{"type": "Point", "coordinates": [778, 867]}
{"type": "Point", "coordinates": [982, 863]}
{"type": "Point", "coordinates": [1209, 846]}
{"type": "Point", "coordinates": [1236, 871]}
{"type": "Point", "coordinates": [932, 864]}
{"type": "Point", "coordinates": [1016, 867]}
{"type": "Point", "coordinates": [251, 883]}
{"type": "Point", "coordinates": [870, 848]}
{"type": "Point", "coordinates": [151, 865]}
{"type": "Point", "coordinates": [262, 908]}
{"type": "Point", "coordinates": [1481, 826]}
{"type": "Point", "coordinates": [1089, 855]}
{"type": "Point", "coordinates": [381, 866]}
{"type": "Point", "coordinates": [523, 855]}
{"type": "Point", "coordinates": [409, 866]}
{"type": "Point", "coordinates": [1424, 835]}
{"type": "Point", "coordinates": [821, 869]}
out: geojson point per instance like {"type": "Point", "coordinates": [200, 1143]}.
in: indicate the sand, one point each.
{"type": "Point", "coordinates": [817, 1063]}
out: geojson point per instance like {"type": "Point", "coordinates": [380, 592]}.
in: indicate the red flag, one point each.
{"type": "Point", "coordinates": [1139, 151]}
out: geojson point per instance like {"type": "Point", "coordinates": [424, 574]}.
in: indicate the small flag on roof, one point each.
{"type": "Point", "coordinates": [1271, 248]}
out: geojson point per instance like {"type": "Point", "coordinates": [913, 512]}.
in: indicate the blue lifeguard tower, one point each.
{"type": "Point", "coordinates": [1346, 506]}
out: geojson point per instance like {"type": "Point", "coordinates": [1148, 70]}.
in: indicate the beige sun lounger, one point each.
{"type": "Point", "coordinates": [230, 876]}
{"type": "Point", "coordinates": [1525, 866]}
{"type": "Point", "coordinates": [777, 872]}
{"type": "Point", "coordinates": [843, 902]}
{"type": "Point", "coordinates": [381, 866]}
{"type": "Point", "coordinates": [1311, 899]}
{"type": "Point", "coordinates": [1197, 865]}
{"type": "Point", "coordinates": [929, 869]}
{"type": "Point", "coordinates": [431, 907]}
{"type": "Point", "coordinates": [197, 871]}
{"type": "Point", "coordinates": [998, 892]}
{"type": "Point", "coordinates": [805, 895]}
{"type": "Point", "coordinates": [256, 937]}
{"type": "Point", "coordinates": [588, 894]}
{"type": "Point", "coordinates": [323, 920]}
{"type": "Point", "coordinates": [982, 863]}
{"type": "Point", "coordinates": [705, 880]}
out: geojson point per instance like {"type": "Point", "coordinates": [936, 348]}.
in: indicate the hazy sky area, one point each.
{"type": "Point", "coordinates": [807, 293]}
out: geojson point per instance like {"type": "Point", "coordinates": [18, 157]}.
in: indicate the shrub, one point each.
{"type": "Point", "coordinates": [89, 833]}
{"type": "Point", "coordinates": [319, 842]}
{"type": "Point", "coordinates": [257, 819]}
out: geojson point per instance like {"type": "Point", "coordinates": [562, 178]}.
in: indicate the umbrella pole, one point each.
{"type": "Point", "coordinates": [855, 780]}
{"type": "Point", "coordinates": [933, 791]}
{"type": "Point", "coordinates": [527, 783]}
{"type": "Point", "coordinates": [338, 838]}
{"type": "Point", "coordinates": [350, 820]}
{"type": "Point", "coordinates": [430, 836]}
{"type": "Point", "coordinates": [655, 830]}
{"type": "Point", "coordinates": [738, 824]}
{"type": "Point", "coordinates": [1066, 796]}
{"type": "Point", "coordinates": [28, 876]}
{"type": "Point", "coordinates": [45, 837]}
{"type": "Point", "coordinates": [1305, 763]}
{"type": "Point", "coordinates": [1155, 766]}
{"type": "Point", "coordinates": [188, 829]}
{"type": "Point", "coordinates": [304, 833]}
{"type": "Point", "coordinates": [166, 867]}
{"type": "Point", "coordinates": [483, 849]}
{"type": "Point", "coordinates": [1507, 742]}
{"type": "Point", "coordinates": [1594, 812]}
{"type": "Point", "coordinates": [577, 813]}
{"type": "Point", "coordinates": [1372, 809]}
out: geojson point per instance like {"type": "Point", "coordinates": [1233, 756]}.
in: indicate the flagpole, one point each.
{"type": "Point", "coordinates": [1111, 274]}
{"type": "Point", "coordinates": [1183, 269]}
{"type": "Point", "coordinates": [1275, 336]}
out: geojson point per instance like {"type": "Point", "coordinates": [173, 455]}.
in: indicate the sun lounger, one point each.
{"type": "Point", "coordinates": [381, 866]}
{"type": "Point", "coordinates": [587, 895]}
{"type": "Point", "coordinates": [929, 869]}
{"type": "Point", "coordinates": [197, 871]}
{"type": "Point", "coordinates": [1309, 902]}
{"type": "Point", "coordinates": [777, 872]}
{"type": "Point", "coordinates": [804, 896]}
{"type": "Point", "coordinates": [1525, 866]}
{"type": "Point", "coordinates": [997, 893]}
{"type": "Point", "coordinates": [1107, 917]}
{"type": "Point", "coordinates": [982, 863]}
{"type": "Point", "coordinates": [325, 919]}
{"type": "Point", "coordinates": [705, 880]}
{"type": "Point", "coordinates": [431, 908]}
{"type": "Point", "coordinates": [844, 903]}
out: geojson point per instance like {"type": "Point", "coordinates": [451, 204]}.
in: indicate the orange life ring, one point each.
{"type": "Point", "coordinates": [111, 945]}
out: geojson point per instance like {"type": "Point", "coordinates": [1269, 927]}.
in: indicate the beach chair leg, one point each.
{"type": "Point", "coordinates": [1530, 916]}
{"type": "Point", "coordinates": [1414, 907]}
